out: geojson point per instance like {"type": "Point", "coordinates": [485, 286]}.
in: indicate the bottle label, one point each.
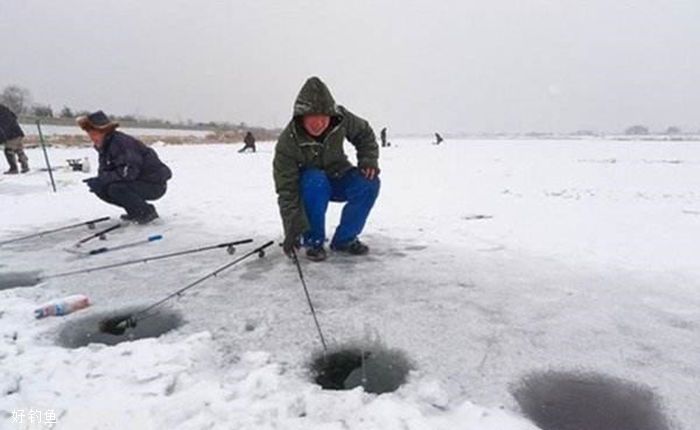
{"type": "Point", "coordinates": [59, 309]}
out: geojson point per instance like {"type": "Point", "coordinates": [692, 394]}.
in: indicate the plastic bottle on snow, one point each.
{"type": "Point", "coordinates": [62, 306]}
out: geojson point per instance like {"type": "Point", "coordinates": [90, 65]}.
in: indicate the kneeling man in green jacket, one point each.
{"type": "Point", "coordinates": [311, 170]}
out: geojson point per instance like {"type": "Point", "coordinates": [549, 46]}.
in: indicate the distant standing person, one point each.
{"type": "Point", "coordinates": [438, 139]}
{"type": "Point", "coordinates": [311, 169]}
{"type": "Point", "coordinates": [382, 137]}
{"type": "Point", "coordinates": [11, 135]}
{"type": "Point", "coordinates": [130, 173]}
{"type": "Point", "coordinates": [249, 141]}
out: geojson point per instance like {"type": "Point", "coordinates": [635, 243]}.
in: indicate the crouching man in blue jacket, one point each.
{"type": "Point", "coordinates": [130, 173]}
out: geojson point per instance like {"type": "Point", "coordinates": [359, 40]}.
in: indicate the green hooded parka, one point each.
{"type": "Point", "coordinates": [296, 150]}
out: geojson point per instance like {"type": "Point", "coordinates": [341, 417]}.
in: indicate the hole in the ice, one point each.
{"type": "Point", "coordinates": [19, 279]}
{"type": "Point", "coordinates": [576, 401]}
{"type": "Point", "coordinates": [375, 368]}
{"type": "Point", "coordinates": [84, 331]}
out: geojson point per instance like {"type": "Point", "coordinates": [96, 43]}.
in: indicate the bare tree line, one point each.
{"type": "Point", "coordinates": [19, 100]}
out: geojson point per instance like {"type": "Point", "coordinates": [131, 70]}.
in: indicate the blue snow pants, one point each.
{"type": "Point", "coordinates": [318, 189]}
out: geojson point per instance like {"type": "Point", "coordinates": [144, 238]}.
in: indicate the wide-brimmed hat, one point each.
{"type": "Point", "coordinates": [96, 121]}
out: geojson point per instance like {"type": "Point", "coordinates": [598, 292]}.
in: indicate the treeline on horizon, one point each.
{"type": "Point", "coordinates": [19, 100]}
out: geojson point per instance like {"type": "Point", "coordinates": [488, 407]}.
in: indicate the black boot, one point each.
{"type": "Point", "coordinates": [23, 161]}
{"type": "Point", "coordinates": [146, 217]}
{"type": "Point", "coordinates": [354, 247]}
{"type": "Point", "coordinates": [316, 254]}
{"type": "Point", "coordinates": [127, 217]}
{"type": "Point", "coordinates": [11, 162]}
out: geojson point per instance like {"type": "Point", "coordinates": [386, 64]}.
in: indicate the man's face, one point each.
{"type": "Point", "coordinates": [97, 137]}
{"type": "Point", "coordinates": [316, 124]}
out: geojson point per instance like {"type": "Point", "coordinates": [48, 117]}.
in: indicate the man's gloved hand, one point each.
{"type": "Point", "coordinates": [291, 242]}
{"type": "Point", "coordinates": [94, 184]}
{"type": "Point", "coordinates": [369, 172]}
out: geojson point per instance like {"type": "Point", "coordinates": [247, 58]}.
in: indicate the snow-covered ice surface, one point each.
{"type": "Point", "coordinates": [490, 260]}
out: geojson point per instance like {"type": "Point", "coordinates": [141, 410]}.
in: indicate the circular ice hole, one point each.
{"type": "Point", "coordinates": [377, 369]}
{"type": "Point", "coordinates": [573, 401]}
{"type": "Point", "coordinates": [19, 279]}
{"type": "Point", "coordinates": [86, 330]}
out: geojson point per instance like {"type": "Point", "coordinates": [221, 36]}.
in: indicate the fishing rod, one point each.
{"type": "Point", "coordinates": [117, 325]}
{"type": "Point", "coordinates": [104, 249]}
{"type": "Point", "coordinates": [90, 224]}
{"type": "Point", "coordinates": [308, 299]}
{"type": "Point", "coordinates": [100, 234]}
{"type": "Point", "coordinates": [230, 248]}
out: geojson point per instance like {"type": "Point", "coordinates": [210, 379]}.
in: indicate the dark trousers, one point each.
{"type": "Point", "coordinates": [14, 148]}
{"type": "Point", "coordinates": [132, 196]}
{"type": "Point", "coordinates": [246, 147]}
{"type": "Point", "coordinates": [317, 190]}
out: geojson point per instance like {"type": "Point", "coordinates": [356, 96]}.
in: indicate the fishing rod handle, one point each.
{"type": "Point", "coordinates": [237, 242]}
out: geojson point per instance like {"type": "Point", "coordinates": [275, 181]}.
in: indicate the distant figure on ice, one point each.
{"type": "Point", "coordinates": [129, 174]}
{"type": "Point", "coordinates": [382, 137]}
{"type": "Point", "coordinates": [11, 135]}
{"type": "Point", "coordinates": [311, 169]}
{"type": "Point", "coordinates": [438, 139]}
{"type": "Point", "coordinates": [249, 141]}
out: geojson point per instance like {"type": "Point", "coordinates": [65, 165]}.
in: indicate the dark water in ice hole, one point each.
{"type": "Point", "coordinates": [83, 331]}
{"type": "Point", "coordinates": [588, 401]}
{"type": "Point", "coordinates": [375, 368]}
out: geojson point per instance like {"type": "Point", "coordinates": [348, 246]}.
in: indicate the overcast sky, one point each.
{"type": "Point", "coordinates": [414, 66]}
